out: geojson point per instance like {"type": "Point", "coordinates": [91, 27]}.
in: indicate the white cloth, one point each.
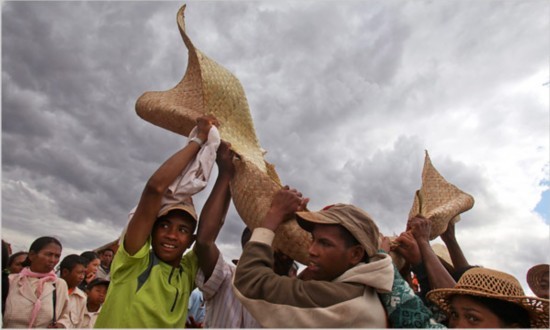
{"type": "Point", "coordinates": [193, 178]}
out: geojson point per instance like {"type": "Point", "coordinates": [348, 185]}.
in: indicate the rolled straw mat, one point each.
{"type": "Point", "coordinates": [438, 200]}
{"type": "Point", "coordinates": [209, 88]}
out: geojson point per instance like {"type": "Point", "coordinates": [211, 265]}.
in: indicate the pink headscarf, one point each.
{"type": "Point", "coordinates": [44, 277]}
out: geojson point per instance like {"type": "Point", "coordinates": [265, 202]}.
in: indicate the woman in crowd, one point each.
{"type": "Point", "coordinates": [487, 298]}
{"type": "Point", "coordinates": [91, 269]}
{"type": "Point", "coordinates": [15, 263]}
{"type": "Point", "coordinates": [37, 298]}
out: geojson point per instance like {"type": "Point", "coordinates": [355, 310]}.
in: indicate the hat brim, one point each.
{"type": "Point", "coordinates": [181, 207]}
{"type": "Point", "coordinates": [536, 307]}
{"type": "Point", "coordinates": [307, 220]}
{"type": "Point", "coordinates": [534, 276]}
{"type": "Point", "coordinates": [100, 282]}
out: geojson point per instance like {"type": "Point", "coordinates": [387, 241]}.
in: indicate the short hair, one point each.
{"type": "Point", "coordinates": [39, 244]}
{"type": "Point", "coordinates": [70, 262]}
{"type": "Point", "coordinates": [89, 256]}
{"type": "Point", "coordinates": [14, 256]}
{"type": "Point", "coordinates": [105, 250]}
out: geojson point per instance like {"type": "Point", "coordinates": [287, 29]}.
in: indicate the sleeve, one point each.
{"type": "Point", "coordinates": [221, 273]}
{"type": "Point", "coordinates": [256, 280]}
{"type": "Point", "coordinates": [405, 309]}
{"type": "Point", "coordinates": [123, 263]}
{"type": "Point", "coordinates": [62, 304]}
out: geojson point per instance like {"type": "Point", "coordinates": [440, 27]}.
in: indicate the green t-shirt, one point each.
{"type": "Point", "coordinates": [146, 292]}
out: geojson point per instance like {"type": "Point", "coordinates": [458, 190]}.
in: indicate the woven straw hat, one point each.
{"type": "Point", "coordinates": [209, 88]}
{"type": "Point", "coordinates": [438, 200]}
{"type": "Point", "coordinates": [484, 282]}
{"type": "Point", "coordinates": [443, 254]}
{"type": "Point", "coordinates": [537, 279]}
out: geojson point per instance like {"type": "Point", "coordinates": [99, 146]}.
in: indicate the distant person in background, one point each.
{"type": "Point", "coordinates": [15, 262]}
{"type": "Point", "coordinates": [104, 269]}
{"type": "Point", "coordinates": [537, 279]}
{"type": "Point", "coordinates": [196, 310]}
{"type": "Point", "coordinates": [73, 270]}
{"type": "Point", "coordinates": [96, 292]}
{"type": "Point", "coordinates": [92, 266]}
{"type": "Point", "coordinates": [37, 298]}
{"type": "Point", "coordinates": [5, 273]}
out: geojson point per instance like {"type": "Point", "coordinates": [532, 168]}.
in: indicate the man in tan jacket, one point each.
{"type": "Point", "coordinates": [345, 271]}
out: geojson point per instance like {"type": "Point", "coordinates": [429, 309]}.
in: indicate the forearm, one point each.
{"type": "Point", "coordinates": [457, 257]}
{"type": "Point", "coordinates": [438, 276]}
{"type": "Point", "coordinates": [211, 220]}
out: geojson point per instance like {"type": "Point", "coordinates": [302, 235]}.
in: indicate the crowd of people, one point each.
{"type": "Point", "coordinates": [168, 271]}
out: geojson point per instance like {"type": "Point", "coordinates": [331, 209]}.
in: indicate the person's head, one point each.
{"type": "Point", "coordinates": [172, 233]}
{"type": "Point", "coordinates": [92, 261]}
{"type": "Point", "coordinates": [106, 257]}
{"type": "Point", "coordinates": [537, 279]}
{"type": "Point", "coordinates": [15, 262]}
{"type": "Point", "coordinates": [73, 269]}
{"type": "Point", "coordinates": [97, 291]}
{"type": "Point", "coordinates": [343, 236]}
{"type": "Point", "coordinates": [44, 254]}
{"type": "Point", "coordinates": [487, 298]}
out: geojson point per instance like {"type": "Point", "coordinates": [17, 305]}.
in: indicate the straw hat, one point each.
{"type": "Point", "coordinates": [536, 279]}
{"type": "Point", "coordinates": [209, 88]}
{"type": "Point", "coordinates": [484, 282]}
{"type": "Point", "coordinates": [438, 200]}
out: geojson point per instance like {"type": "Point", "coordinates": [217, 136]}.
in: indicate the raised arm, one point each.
{"type": "Point", "coordinates": [449, 238]}
{"type": "Point", "coordinates": [213, 213]}
{"type": "Point", "coordinates": [437, 274]}
{"type": "Point", "coordinates": [141, 224]}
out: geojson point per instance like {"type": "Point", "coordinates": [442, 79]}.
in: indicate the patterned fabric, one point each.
{"type": "Point", "coordinates": [405, 309]}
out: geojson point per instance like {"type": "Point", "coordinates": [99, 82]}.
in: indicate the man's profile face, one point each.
{"type": "Point", "coordinates": [329, 257]}
{"type": "Point", "coordinates": [172, 235]}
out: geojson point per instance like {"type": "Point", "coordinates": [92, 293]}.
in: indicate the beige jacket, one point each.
{"type": "Point", "coordinates": [77, 306]}
{"type": "Point", "coordinates": [350, 300]}
{"type": "Point", "coordinates": [21, 299]}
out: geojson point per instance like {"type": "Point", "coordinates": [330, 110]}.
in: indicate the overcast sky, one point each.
{"type": "Point", "coordinates": [345, 97]}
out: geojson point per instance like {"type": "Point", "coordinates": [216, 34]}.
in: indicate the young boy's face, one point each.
{"type": "Point", "coordinates": [75, 276]}
{"type": "Point", "coordinates": [96, 295]}
{"type": "Point", "coordinates": [172, 235]}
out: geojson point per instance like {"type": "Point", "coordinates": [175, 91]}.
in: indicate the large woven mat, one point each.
{"type": "Point", "coordinates": [209, 88]}
{"type": "Point", "coordinates": [438, 200]}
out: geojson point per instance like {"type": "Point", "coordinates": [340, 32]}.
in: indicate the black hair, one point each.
{"type": "Point", "coordinates": [245, 237]}
{"type": "Point", "coordinates": [508, 312]}
{"type": "Point", "coordinates": [39, 244]}
{"type": "Point", "coordinates": [70, 262]}
{"type": "Point", "coordinates": [5, 255]}
{"type": "Point", "coordinates": [89, 256]}
{"type": "Point", "coordinates": [14, 256]}
{"type": "Point", "coordinates": [350, 241]}
{"type": "Point", "coordinates": [105, 250]}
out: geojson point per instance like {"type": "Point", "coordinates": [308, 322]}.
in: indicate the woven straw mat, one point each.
{"type": "Point", "coordinates": [438, 200]}
{"type": "Point", "coordinates": [209, 88]}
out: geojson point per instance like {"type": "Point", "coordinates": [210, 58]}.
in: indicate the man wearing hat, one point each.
{"type": "Point", "coordinates": [151, 277]}
{"type": "Point", "coordinates": [345, 270]}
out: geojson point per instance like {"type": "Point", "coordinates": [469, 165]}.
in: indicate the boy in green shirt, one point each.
{"type": "Point", "coordinates": [150, 289]}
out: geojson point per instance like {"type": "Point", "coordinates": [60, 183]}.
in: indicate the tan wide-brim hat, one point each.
{"type": "Point", "coordinates": [535, 277]}
{"type": "Point", "coordinates": [490, 283]}
{"type": "Point", "coordinates": [438, 200]}
{"type": "Point", "coordinates": [209, 88]}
